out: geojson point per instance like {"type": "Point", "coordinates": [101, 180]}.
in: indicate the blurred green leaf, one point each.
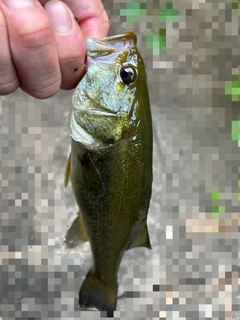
{"type": "Point", "coordinates": [216, 210]}
{"type": "Point", "coordinates": [235, 5]}
{"type": "Point", "coordinates": [236, 131]}
{"type": "Point", "coordinates": [215, 214]}
{"type": "Point", "coordinates": [221, 209]}
{"type": "Point", "coordinates": [233, 88]}
{"type": "Point", "coordinates": [169, 14]}
{"type": "Point", "coordinates": [215, 196]}
{"type": "Point", "coordinates": [133, 11]}
{"type": "Point", "coordinates": [156, 41]}
{"type": "Point", "coordinates": [239, 190]}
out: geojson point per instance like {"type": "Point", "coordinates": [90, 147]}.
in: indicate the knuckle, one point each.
{"type": "Point", "coordinates": [45, 91]}
{"type": "Point", "coordinates": [30, 28]}
{"type": "Point", "coordinates": [70, 61]}
{"type": "Point", "coordinates": [8, 87]}
{"type": "Point", "coordinates": [36, 39]}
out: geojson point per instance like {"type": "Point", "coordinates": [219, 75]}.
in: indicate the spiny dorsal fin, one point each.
{"type": "Point", "coordinates": [77, 233]}
{"type": "Point", "coordinates": [67, 171]}
{"type": "Point", "coordinates": [143, 239]}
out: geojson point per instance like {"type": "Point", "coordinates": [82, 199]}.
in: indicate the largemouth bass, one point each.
{"type": "Point", "coordinates": [110, 165]}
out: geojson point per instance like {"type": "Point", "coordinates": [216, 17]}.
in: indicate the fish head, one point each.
{"type": "Point", "coordinates": [108, 100]}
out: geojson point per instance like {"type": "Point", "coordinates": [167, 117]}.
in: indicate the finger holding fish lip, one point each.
{"type": "Point", "coordinates": [41, 52]}
{"type": "Point", "coordinates": [92, 17]}
{"type": "Point", "coordinates": [70, 43]}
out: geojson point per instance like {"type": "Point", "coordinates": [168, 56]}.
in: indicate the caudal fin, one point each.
{"type": "Point", "coordinates": [97, 294]}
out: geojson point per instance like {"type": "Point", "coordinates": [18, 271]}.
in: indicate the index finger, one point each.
{"type": "Point", "coordinates": [92, 17]}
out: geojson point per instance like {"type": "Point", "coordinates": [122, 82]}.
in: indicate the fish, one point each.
{"type": "Point", "coordinates": [110, 164]}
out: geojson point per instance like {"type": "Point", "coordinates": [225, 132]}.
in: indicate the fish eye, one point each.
{"type": "Point", "coordinates": [127, 74]}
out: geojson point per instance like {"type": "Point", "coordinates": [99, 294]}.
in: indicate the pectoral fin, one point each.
{"type": "Point", "coordinates": [77, 233]}
{"type": "Point", "coordinates": [67, 171]}
{"type": "Point", "coordinates": [91, 176]}
{"type": "Point", "coordinates": [143, 239]}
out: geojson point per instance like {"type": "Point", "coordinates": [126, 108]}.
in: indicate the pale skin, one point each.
{"type": "Point", "coordinates": [42, 46]}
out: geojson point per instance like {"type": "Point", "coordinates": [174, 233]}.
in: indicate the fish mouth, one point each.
{"type": "Point", "coordinates": [106, 49]}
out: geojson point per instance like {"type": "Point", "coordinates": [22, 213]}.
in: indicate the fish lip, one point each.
{"type": "Point", "coordinates": [129, 37]}
{"type": "Point", "coordinates": [101, 47]}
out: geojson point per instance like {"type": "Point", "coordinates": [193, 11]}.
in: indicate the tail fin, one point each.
{"type": "Point", "coordinates": [97, 294]}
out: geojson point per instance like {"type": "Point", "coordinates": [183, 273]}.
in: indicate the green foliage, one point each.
{"type": "Point", "coordinates": [235, 5]}
{"type": "Point", "coordinates": [236, 131]}
{"type": "Point", "coordinates": [133, 11]}
{"type": "Point", "coordinates": [233, 88]}
{"type": "Point", "coordinates": [156, 41]}
{"type": "Point", "coordinates": [239, 190]}
{"type": "Point", "coordinates": [215, 195]}
{"type": "Point", "coordinates": [216, 208]}
{"type": "Point", "coordinates": [169, 14]}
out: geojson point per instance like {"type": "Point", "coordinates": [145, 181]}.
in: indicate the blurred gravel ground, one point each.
{"type": "Point", "coordinates": [192, 272]}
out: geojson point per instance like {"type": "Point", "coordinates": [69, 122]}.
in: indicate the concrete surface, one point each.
{"type": "Point", "coordinates": [192, 271]}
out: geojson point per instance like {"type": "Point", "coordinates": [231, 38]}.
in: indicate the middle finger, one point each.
{"type": "Point", "coordinates": [33, 48]}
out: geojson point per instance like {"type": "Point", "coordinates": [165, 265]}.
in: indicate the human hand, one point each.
{"type": "Point", "coordinates": [43, 48]}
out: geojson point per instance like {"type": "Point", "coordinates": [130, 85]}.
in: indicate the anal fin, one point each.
{"type": "Point", "coordinates": [143, 239]}
{"type": "Point", "coordinates": [77, 233]}
{"type": "Point", "coordinates": [67, 171]}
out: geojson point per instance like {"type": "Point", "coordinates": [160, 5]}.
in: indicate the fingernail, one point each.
{"type": "Point", "coordinates": [19, 3]}
{"type": "Point", "coordinates": [60, 16]}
